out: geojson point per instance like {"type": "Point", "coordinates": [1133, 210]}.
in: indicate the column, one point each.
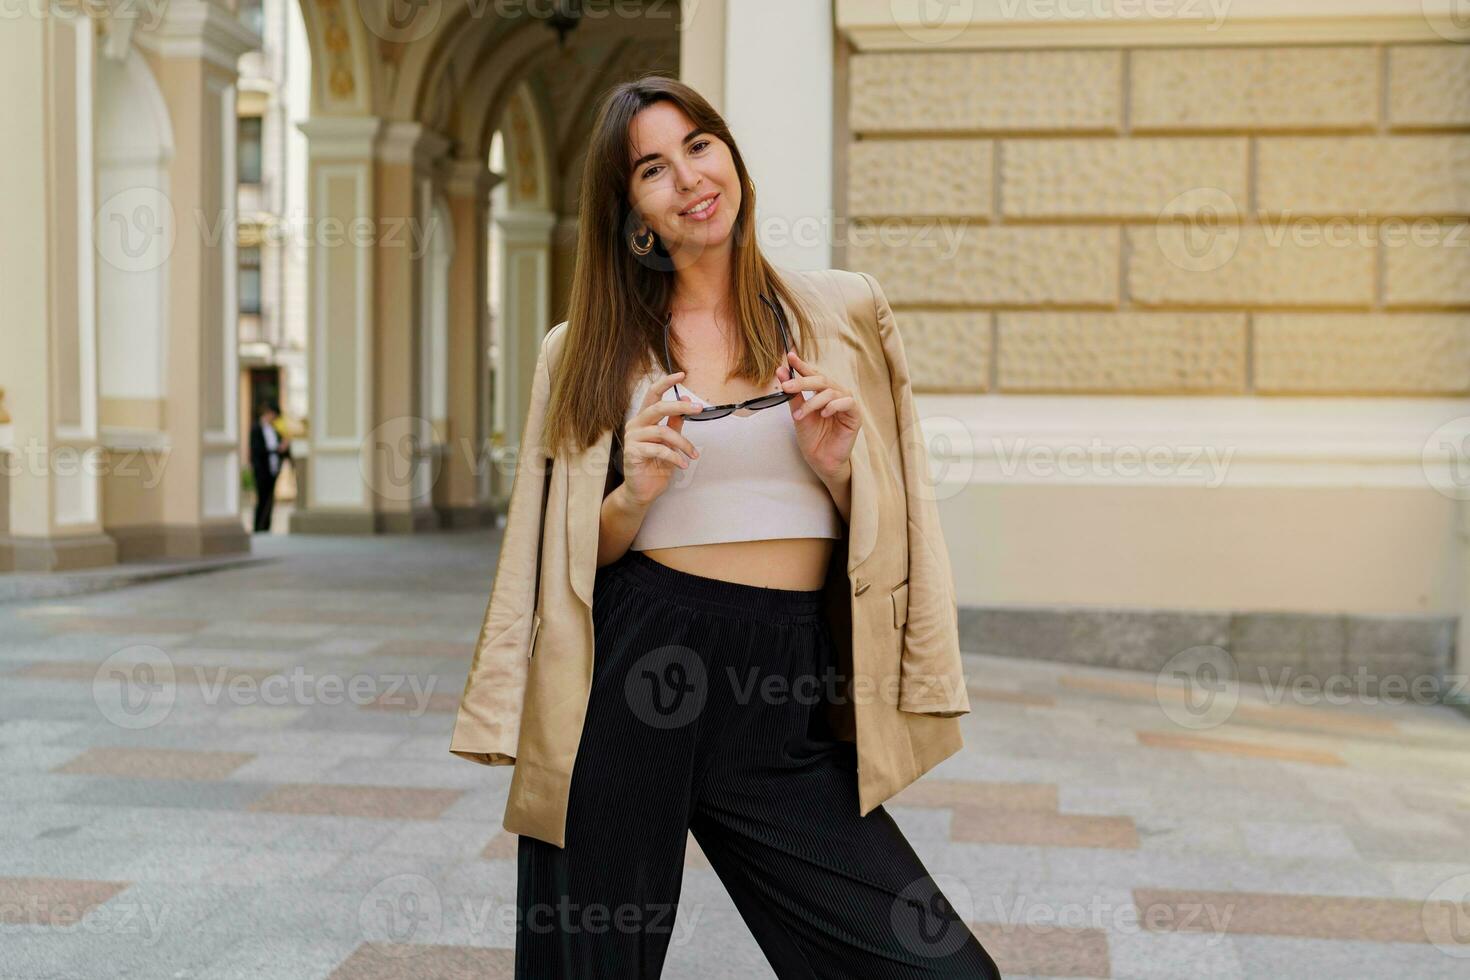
{"type": "Point", "coordinates": [193, 53]}
{"type": "Point", "coordinates": [402, 454]}
{"type": "Point", "coordinates": [525, 271]}
{"type": "Point", "coordinates": [340, 358]}
{"type": "Point", "coordinates": [795, 211]}
{"type": "Point", "coordinates": [49, 474]}
{"type": "Point", "coordinates": [371, 434]}
{"type": "Point", "coordinates": [467, 437]}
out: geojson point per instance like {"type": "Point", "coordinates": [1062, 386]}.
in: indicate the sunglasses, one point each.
{"type": "Point", "coordinates": [750, 404]}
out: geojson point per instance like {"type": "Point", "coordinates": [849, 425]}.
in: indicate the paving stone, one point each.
{"type": "Point", "coordinates": [205, 794]}
{"type": "Point", "coordinates": [299, 818]}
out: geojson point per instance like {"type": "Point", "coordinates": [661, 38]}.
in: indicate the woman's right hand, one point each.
{"type": "Point", "coordinates": [650, 450]}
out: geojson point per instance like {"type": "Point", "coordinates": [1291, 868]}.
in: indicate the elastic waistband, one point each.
{"type": "Point", "coordinates": [718, 595]}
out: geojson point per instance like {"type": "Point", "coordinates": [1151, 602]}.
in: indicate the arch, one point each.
{"type": "Point", "coordinates": [493, 78]}
{"type": "Point", "coordinates": [530, 171]}
{"type": "Point", "coordinates": [447, 61]}
{"type": "Point", "coordinates": [343, 79]}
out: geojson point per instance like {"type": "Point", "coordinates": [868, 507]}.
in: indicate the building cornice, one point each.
{"type": "Point", "coordinates": [410, 142]}
{"type": "Point", "coordinates": [902, 25]}
{"type": "Point", "coordinates": [200, 29]}
{"type": "Point", "coordinates": [340, 137]}
{"type": "Point", "coordinates": [470, 178]}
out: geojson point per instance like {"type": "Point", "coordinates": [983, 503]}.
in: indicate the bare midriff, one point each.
{"type": "Point", "coordinates": [774, 563]}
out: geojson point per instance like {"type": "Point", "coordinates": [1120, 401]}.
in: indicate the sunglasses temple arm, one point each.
{"type": "Point", "coordinates": [785, 331]}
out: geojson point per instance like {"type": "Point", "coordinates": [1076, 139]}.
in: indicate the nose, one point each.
{"type": "Point", "coordinates": [686, 175]}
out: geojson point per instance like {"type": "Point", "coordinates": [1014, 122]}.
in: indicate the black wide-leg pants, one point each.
{"type": "Point", "coordinates": [706, 716]}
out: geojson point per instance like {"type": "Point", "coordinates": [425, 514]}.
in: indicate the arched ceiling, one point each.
{"type": "Point", "coordinates": [452, 65]}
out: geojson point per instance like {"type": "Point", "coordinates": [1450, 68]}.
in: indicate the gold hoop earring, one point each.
{"type": "Point", "coordinates": [643, 248]}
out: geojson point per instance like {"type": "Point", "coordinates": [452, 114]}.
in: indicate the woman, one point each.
{"type": "Point", "coordinates": [715, 666]}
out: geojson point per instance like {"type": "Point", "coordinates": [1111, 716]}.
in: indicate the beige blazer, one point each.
{"type": "Point", "coordinates": [889, 597]}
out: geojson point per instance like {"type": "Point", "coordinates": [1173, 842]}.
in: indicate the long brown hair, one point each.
{"type": "Point", "coordinates": [619, 299]}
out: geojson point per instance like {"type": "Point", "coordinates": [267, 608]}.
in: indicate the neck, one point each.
{"type": "Point", "coordinates": [703, 286]}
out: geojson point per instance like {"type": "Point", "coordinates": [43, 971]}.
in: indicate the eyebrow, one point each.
{"type": "Point", "coordinates": [654, 156]}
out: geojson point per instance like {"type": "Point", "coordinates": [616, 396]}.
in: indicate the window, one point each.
{"type": "Point", "coordinates": [248, 149]}
{"type": "Point", "coordinates": [252, 15]}
{"type": "Point", "coordinates": [250, 279]}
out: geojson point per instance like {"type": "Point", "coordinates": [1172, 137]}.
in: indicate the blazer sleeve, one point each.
{"type": "Point", "coordinates": [487, 728]}
{"type": "Point", "coordinates": [931, 675]}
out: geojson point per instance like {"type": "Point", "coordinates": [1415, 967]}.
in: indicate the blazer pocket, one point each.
{"type": "Point", "coordinates": [900, 597]}
{"type": "Point", "coordinates": [535, 634]}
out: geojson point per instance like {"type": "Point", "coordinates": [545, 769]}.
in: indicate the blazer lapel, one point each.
{"type": "Point", "coordinates": [586, 475]}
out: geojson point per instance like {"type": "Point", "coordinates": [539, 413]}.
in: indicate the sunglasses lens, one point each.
{"type": "Point", "coordinates": [769, 401]}
{"type": "Point", "coordinates": [708, 413]}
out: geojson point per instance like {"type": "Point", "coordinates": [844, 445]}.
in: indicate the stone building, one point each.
{"type": "Point", "coordinates": [1185, 285]}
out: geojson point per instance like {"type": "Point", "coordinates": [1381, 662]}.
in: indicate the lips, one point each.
{"type": "Point", "coordinates": [701, 206]}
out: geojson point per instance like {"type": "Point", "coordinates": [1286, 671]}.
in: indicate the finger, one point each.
{"type": "Point", "coordinates": [792, 357]}
{"type": "Point", "coordinates": [655, 451]}
{"type": "Point", "coordinates": [684, 406]}
{"type": "Point", "coordinates": [668, 436]}
{"type": "Point", "coordinates": [669, 456]}
{"type": "Point", "coordinates": [806, 382]}
{"type": "Point", "coordinates": [846, 405]}
{"type": "Point", "coordinates": [660, 385]}
{"type": "Point", "coordinates": [652, 414]}
{"type": "Point", "coordinates": [654, 433]}
{"type": "Point", "coordinates": [816, 402]}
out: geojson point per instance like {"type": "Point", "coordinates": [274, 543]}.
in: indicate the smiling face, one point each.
{"type": "Point", "coordinates": [684, 183]}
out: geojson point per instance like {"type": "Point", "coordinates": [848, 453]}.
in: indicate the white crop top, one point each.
{"type": "Point", "coordinates": [749, 483]}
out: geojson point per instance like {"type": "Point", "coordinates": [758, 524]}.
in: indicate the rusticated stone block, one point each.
{"type": "Point", "coordinates": [920, 177]}
{"type": "Point", "coordinates": [1429, 85]}
{"type": "Point", "coordinates": [1367, 353]}
{"type": "Point", "coordinates": [1132, 352]}
{"type": "Point", "coordinates": [1364, 175]}
{"type": "Point", "coordinates": [1248, 266]}
{"type": "Point", "coordinates": [950, 91]}
{"type": "Point", "coordinates": [946, 351]}
{"type": "Point", "coordinates": [1254, 88]}
{"type": "Point", "coordinates": [978, 265]}
{"type": "Point", "coordinates": [1121, 178]}
{"type": "Point", "coordinates": [1428, 265]}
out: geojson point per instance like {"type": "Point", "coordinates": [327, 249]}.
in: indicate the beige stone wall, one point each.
{"type": "Point", "coordinates": [1238, 220]}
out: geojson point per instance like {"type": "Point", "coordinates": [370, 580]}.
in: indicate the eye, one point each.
{"type": "Point", "coordinates": [695, 147]}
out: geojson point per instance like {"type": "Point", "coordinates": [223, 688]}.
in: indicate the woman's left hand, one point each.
{"type": "Point", "coordinates": [827, 423]}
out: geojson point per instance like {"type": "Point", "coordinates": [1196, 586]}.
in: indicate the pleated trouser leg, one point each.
{"type": "Point", "coordinates": [706, 716]}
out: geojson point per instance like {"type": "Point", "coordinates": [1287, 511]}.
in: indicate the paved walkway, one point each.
{"type": "Point", "coordinates": [288, 807]}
